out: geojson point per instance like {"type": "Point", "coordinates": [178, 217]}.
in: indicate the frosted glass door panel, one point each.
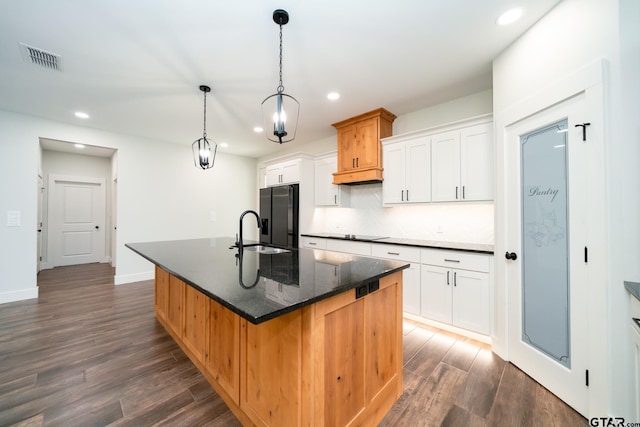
{"type": "Point", "coordinates": [545, 251]}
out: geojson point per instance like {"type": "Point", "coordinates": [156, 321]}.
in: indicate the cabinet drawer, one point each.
{"type": "Point", "coordinates": [313, 242]}
{"type": "Point", "coordinates": [399, 252]}
{"type": "Point", "coordinates": [456, 259]}
{"type": "Point", "coordinates": [356, 248]}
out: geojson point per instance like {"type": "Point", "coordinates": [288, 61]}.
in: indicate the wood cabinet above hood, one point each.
{"type": "Point", "coordinates": [359, 147]}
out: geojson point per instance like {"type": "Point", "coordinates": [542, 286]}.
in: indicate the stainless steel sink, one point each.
{"type": "Point", "coordinates": [266, 249]}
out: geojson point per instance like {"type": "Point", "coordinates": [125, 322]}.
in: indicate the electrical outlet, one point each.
{"type": "Point", "coordinates": [439, 229]}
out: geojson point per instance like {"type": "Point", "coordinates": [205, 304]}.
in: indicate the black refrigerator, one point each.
{"type": "Point", "coordinates": [279, 215]}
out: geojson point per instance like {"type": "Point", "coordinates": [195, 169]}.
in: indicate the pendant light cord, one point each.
{"type": "Point", "coordinates": [204, 131]}
{"type": "Point", "coordinates": [280, 86]}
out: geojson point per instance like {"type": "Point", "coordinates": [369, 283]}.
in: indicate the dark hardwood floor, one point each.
{"type": "Point", "coordinates": [88, 353]}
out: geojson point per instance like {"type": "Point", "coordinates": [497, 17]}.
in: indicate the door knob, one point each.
{"type": "Point", "coordinates": [511, 255]}
{"type": "Point", "coordinates": [97, 227]}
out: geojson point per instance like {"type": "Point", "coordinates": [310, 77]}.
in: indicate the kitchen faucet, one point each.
{"type": "Point", "coordinates": [239, 243]}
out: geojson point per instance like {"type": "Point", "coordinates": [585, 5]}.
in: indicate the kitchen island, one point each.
{"type": "Point", "coordinates": [304, 337]}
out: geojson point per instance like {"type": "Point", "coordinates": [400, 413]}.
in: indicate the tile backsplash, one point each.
{"type": "Point", "coordinates": [469, 222]}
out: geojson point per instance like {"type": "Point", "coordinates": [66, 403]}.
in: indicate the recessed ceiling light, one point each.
{"type": "Point", "coordinates": [257, 129]}
{"type": "Point", "coordinates": [333, 96]}
{"type": "Point", "coordinates": [79, 145]}
{"type": "Point", "coordinates": [224, 145]}
{"type": "Point", "coordinates": [81, 115]}
{"type": "Point", "coordinates": [509, 17]}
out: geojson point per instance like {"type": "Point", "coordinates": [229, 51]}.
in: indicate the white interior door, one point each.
{"type": "Point", "coordinates": [76, 220]}
{"type": "Point", "coordinates": [547, 231]}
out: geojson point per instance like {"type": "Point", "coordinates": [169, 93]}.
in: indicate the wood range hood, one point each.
{"type": "Point", "coordinates": [359, 147]}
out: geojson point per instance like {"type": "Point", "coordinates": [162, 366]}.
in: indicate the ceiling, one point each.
{"type": "Point", "coordinates": [135, 66]}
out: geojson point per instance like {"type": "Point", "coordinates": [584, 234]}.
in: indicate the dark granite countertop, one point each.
{"type": "Point", "coordinates": [258, 286]}
{"type": "Point", "coordinates": [633, 288]}
{"type": "Point", "coordinates": [455, 246]}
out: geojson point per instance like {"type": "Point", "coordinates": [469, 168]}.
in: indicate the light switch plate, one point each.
{"type": "Point", "coordinates": [13, 219]}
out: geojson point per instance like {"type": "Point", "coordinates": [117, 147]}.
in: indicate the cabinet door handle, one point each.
{"type": "Point", "coordinates": [393, 253]}
{"type": "Point", "coordinates": [456, 192]}
{"type": "Point", "coordinates": [335, 199]}
{"type": "Point", "coordinates": [463, 196]}
{"type": "Point", "coordinates": [402, 195]}
{"type": "Point", "coordinates": [448, 278]}
{"type": "Point", "coordinates": [357, 162]}
{"type": "Point", "coordinates": [353, 162]}
{"type": "Point", "coordinates": [451, 260]}
{"type": "Point", "coordinates": [407, 195]}
{"type": "Point", "coordinates": [454, 279]}
{"type": "Point", "coordinates": [312, 243]}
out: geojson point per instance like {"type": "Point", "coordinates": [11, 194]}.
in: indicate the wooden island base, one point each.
{"type": "Point", "coordinates": [337, 362]}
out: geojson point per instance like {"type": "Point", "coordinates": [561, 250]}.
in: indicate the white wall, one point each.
{"type": "Point", "coordinates": [161, 196]}
{"type": "Point", "coordinates": [449, 222]}
{"type": "Point", "coordinates": [577, 33]}
{"type": "Point", "coordinates": [19, 152]}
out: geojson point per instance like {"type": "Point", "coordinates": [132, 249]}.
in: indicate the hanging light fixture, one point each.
{"type": "Point", "coordinates": [204, 149]}
{"type": "Point", "coordinates": [280, 111]}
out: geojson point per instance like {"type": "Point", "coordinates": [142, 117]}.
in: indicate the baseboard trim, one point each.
{"type": "Point", "coordinates": [23, 294]}
{"type": "Point", "coordinates": [136, 277]}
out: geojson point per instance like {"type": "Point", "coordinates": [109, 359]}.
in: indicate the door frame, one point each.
{"type": "Point", "coordinates": [40, 223]}
{"type": "Point", "coordinates": [590, 80]}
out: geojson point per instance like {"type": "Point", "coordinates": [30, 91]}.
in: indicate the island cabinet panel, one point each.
{"type": "Point", "coordinates": [358, 370]}
{"type": "Point", "coordinates": [161, 293]}
{"type": "Point", "coordinates": [194, 329]}
{"type": "Point", "coordinates": [222, 359]}
{"type": "Point", "coordinates": [175, 312]}
{"type": "Point", "coordinates": [344, 359]}
{"type": "Point", "coordinates": [272, 367]}
{"type": "Point", "coordinates": [382, 363]}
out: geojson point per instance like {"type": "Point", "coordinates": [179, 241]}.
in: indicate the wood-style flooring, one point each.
{"type": "Point", "coordinates": [88, 353]}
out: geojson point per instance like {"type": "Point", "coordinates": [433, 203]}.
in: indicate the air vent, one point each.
{"type": "Point", "coordinates": [41, 57]}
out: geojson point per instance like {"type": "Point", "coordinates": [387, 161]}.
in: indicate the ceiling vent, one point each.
{"type": "Point", "coordinates": [41, 57]}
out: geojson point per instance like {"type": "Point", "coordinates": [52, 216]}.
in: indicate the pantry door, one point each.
{"type": "Point", "coordinates": [547, 236]}
{"type": "Point", "coordinates": [77, 220]}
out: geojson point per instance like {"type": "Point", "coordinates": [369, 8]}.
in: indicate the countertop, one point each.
{"type": "Point", "coordinates": [456, 246]}
{"type": "Point", "coordinates": [633, 288]}
{"type": "Point", "coordinates": [260, 287]}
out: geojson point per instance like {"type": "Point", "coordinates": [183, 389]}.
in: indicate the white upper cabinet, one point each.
{"type": "Point", "coordinates": [327, 193]}
{"type": "Point", "coordinates": [407, 171]}
{"type": "Point", "coordinates": [476, 162]}
{"type": "Point", "coordinates": [462, 164]}
{"type": "Point", "coordinates": [283, 173]}
{"type": "Point", "coordinates": [262, 177]}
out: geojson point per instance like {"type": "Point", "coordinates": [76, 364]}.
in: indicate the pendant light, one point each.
{"type": "Point", "coordinates": [280, 111]}
{"type": "Point", "coordinates": [204, 149]}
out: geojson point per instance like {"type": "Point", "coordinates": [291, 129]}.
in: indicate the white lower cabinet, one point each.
{"type": "Point", "coordinates": [435, 302]}
{"type": "Point", "coordinates": [313, 242]}
{"type": "Point", "coordinates": [349, 246]}
{"type": "Point", "coordinates": [460, 295]}
{"type": "Point", "coordinates": [410, 276]}
{"type": "Point", "coordinates": [447, 286]}
{"type": "Point", "coordinates": [635, 334]}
